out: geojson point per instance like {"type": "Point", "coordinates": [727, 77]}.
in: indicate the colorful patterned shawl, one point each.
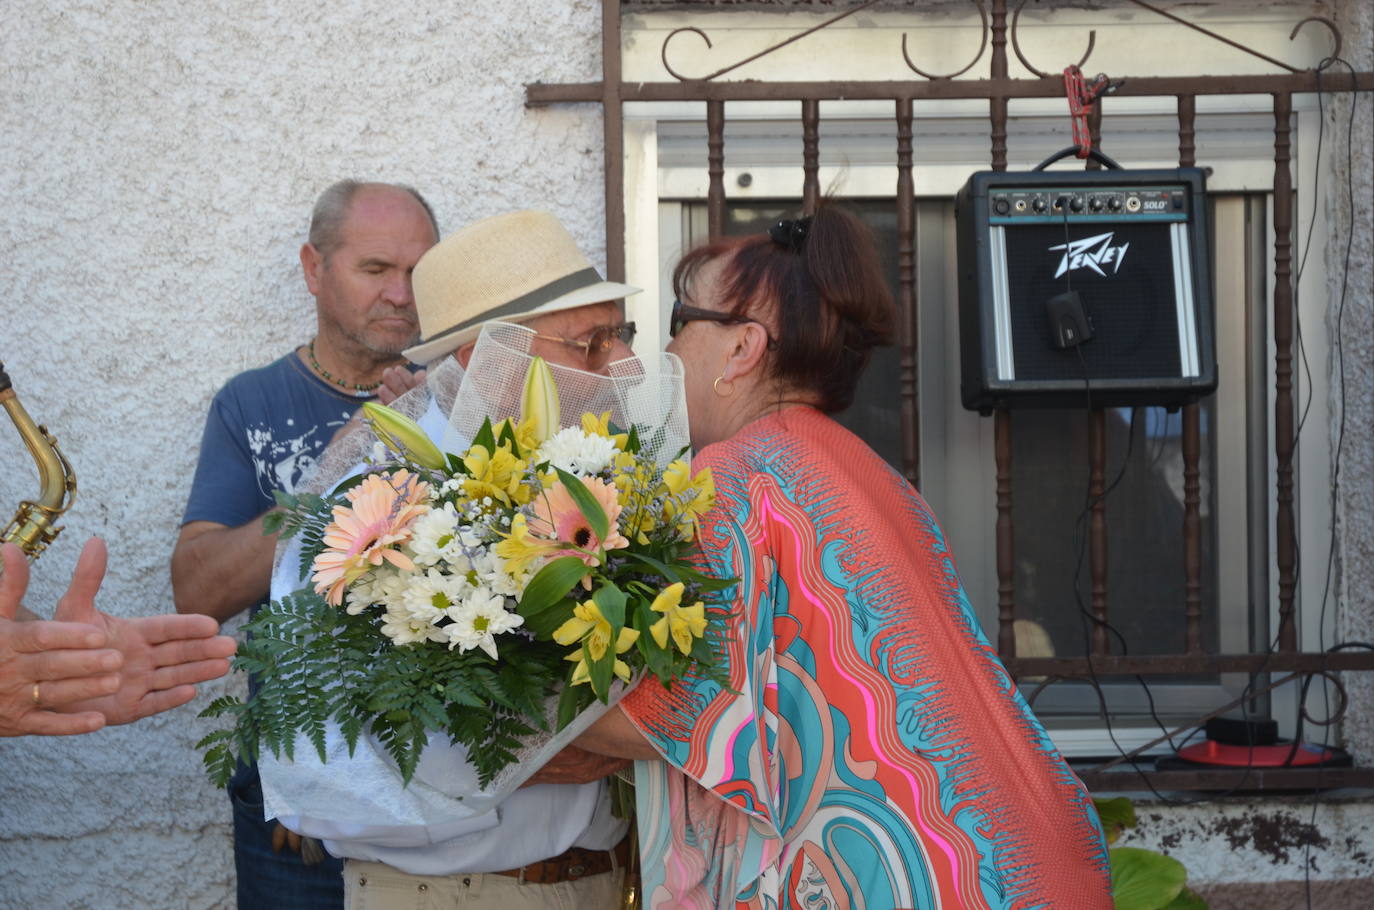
{"type": "Point", "coordinates": [877, 755]}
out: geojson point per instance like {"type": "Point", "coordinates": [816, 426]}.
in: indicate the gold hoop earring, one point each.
{"type": "Point", "coordinates": [715, 386]}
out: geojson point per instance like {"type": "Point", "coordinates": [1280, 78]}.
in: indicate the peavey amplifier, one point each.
{"type": "Point", "coordinates": [1084, 284]}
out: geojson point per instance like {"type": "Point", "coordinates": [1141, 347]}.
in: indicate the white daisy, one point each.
{"type": "Point", "coordinates": [403, 628]}
{"type": "Point", "coordinates": [436, 537]}
{"type": "Point", "coordinates": [428, 596]}
{"type": "Point", "coordinates": [478, 620]}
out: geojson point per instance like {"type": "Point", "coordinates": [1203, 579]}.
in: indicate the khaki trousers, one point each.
{"type": "Point", "coordinates": [377, 886]}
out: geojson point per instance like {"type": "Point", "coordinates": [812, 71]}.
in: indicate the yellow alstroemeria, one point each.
{"type": "Point", "coordinates": [684, 624]}
{"type": "Point", "coordinates": [600, 425]}
{"type": "Point", "coordinates": [539, 401]}
{"type": "Point", "coordinates": [519, 549]}
{"type": "Point", "coordinates": [582, 673]}
{"type": "Point", "coordinates": [590, 627]}
{"type": "Point", "coordinates": [498, 474]}
{"type": "Point", "coordinates": [593, 630]}
{"type": "Point", "coordinates": [403, 435]}
{"type": "Point", "coordinates": [522, 431]}
{"type": "Point", "coordinates": [689, 496]}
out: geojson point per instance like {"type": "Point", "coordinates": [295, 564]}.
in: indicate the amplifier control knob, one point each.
{"type": "Point", "coordinates": [1001, 206]}
{"type": "Point", "coordinates": [1076, 204]}
{"type": "Point", "coordinates": [1038, 205]}
{"type": "Point", "coordinates": [1114, 204]}
{"type": "Point", "coordinates": [1095, 204]}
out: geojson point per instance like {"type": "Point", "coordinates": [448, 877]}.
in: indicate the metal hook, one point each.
{"type": "Point", "coordinates": [982, 14]}
{"type": "Point", "coordinates": [1016, 45]}
{"type": "Point", "coordinates": [1335, 36]}
{"type": "Point", "coordinates": [663, 51]}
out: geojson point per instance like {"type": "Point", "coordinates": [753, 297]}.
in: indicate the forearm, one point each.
{"type": "Point", "coordinates": [616, 735]}
{"type": "Point", "coordinates": [220, 571]}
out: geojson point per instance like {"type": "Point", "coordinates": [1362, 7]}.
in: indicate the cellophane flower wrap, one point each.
{"type": "Point", "coordinates": [481, 586]}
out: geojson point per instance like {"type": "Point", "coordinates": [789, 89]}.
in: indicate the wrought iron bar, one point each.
{"type": "Point", "coordinates": [613, 140]}
{"type": "Point", "coordinates": [1181, 664]}
{"type": "Point", "coordinates": [1020, 55]}
{"type": "Point", "coordinates": [1097, 524]}
{"type": "Point", "coordinates": [1192, 529]}
{"type": "Point", "coordinates": [663, 51]}
{"type": "Point", "coordinates": [982, 14]}
{"type": "Point", "coordinates": [906, 298]}
{"type": "Point", "coordinates": [943, 90]}
{"type": "Point", "coordinates": [1283, 368]}
{"type": "Point", "coordinates": [1331, 27]}
{"type": "Point", "coordinates": [1095, 133]}
{"type": "Point", "coordinates": [1250, 780]}
{"type": "Point", "coordinates": [1192, 433]}
{"type": "Point", "coordinates": [1001, 426]}
{"type": "Point", "coordinates": [715, 168]}
{"type": "Point", "coordinates": [811, 154]}
{"type": "Point", "coordinates": [1006, 538]}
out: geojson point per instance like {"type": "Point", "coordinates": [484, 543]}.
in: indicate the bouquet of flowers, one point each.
{"type": "Point", "coordinates": [483, 595]}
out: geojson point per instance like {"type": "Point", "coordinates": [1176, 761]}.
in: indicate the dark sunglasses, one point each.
{"type": "Point", "coordinates": [599, 344]}
{"type": "Point", "coordinates": [683, 314]}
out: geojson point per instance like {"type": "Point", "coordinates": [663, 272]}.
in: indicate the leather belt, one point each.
{"type": "Point", "coordinates": [572, 864]}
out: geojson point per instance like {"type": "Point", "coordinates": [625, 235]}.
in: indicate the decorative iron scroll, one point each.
{"type": "Point", "coordinates": [999, 7]}
{"type": "Point", "coordinates": [982, 14]}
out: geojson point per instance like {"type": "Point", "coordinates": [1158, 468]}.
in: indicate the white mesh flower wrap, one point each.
{"type": "Point", "coordinates": [361, 797]}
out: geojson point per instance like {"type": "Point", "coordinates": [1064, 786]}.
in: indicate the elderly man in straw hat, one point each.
{"type": "Point", "coordinates": [555, 842]}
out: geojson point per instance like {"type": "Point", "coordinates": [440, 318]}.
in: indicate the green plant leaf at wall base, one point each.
{"type": "Point", "coordinates": [1145, 880]}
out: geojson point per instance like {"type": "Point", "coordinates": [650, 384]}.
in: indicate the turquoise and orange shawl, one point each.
{"type": "Point", "coordinates": [877, 755]}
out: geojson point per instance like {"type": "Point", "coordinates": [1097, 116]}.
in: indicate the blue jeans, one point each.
{"type": "Point", "coordinates": [275, 881]}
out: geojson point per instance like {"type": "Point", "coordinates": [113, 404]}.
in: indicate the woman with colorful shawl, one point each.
{"type": "Point", "coordinates": [870, 751]}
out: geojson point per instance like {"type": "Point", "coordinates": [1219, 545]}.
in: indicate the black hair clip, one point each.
{"type": "Point", "coordinates": [791, 234]}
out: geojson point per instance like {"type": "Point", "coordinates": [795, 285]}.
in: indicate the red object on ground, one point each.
{"type": "Point", "coordinates": [1279, 755]}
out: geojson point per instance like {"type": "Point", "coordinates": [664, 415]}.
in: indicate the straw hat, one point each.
{"type": "Point", "coordinates": [510, 267]}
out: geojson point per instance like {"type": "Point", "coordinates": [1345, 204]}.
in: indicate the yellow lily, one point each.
{"type": "Point", "coordinates": [590, 627]}
{"type": "Point", "coordinates": [497, 474]}
{"type": "Point", "coordinates": [519, 549]}
{"type": "Point", "coordinates": [403, 436]}
{"type": "Point", "coordinates": [683, 623]}
{"type": "Point", "coordinates": [600, 425]}
{"type": "Point", "coordinates": [539, 401]}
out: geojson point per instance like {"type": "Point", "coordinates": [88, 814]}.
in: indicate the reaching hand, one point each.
{"type": "Point", "coordinates": [48, 665]}
{"type": "Point", "coordinates": [85, 669]}
{"type": "Point", "coordinates": [576, 766]}
{"type": "Point", "coordinates": [163, 656]}
{"type": "Point", "coordinates": [396, 381]}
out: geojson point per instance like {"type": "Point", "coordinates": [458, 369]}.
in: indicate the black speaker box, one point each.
{"type": "Point", "coordinates": [1084, 284]}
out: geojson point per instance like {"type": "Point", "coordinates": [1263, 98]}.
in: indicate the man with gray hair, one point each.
{"type": "Point", "coordinates": [265, 431]}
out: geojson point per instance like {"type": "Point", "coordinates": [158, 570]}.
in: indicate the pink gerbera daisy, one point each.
{"type": "Point", "coordinates": [557, 518]}
{"type": "Point", "coordinates": [368, 531]}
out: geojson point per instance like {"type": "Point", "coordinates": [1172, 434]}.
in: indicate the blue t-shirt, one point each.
{"type": "Point", "coordinates": [265, 432]}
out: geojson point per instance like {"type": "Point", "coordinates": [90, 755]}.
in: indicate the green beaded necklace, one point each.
{"type": "Point", "coordinates": [355, 389]}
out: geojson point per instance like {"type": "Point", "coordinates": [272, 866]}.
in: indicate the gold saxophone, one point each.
{"type": "Point", "coordinates": [33, 526]}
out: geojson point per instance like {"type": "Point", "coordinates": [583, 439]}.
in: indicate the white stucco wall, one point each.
{"type": "Point", "coordinates": [158, 161]}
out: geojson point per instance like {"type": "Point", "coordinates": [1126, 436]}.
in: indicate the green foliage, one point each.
{"type": "Point", "coordinates": [1142, 879]}
{"type": "Point", "coordinates": [315, 664]}
{"type": "Point", "coordinates": [306, 514]}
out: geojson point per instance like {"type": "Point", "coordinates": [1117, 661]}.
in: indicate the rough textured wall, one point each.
{"type": "Point", "coordinates": [1350, 290]}
{"type": "Point", "coordinates": [158, 161]}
